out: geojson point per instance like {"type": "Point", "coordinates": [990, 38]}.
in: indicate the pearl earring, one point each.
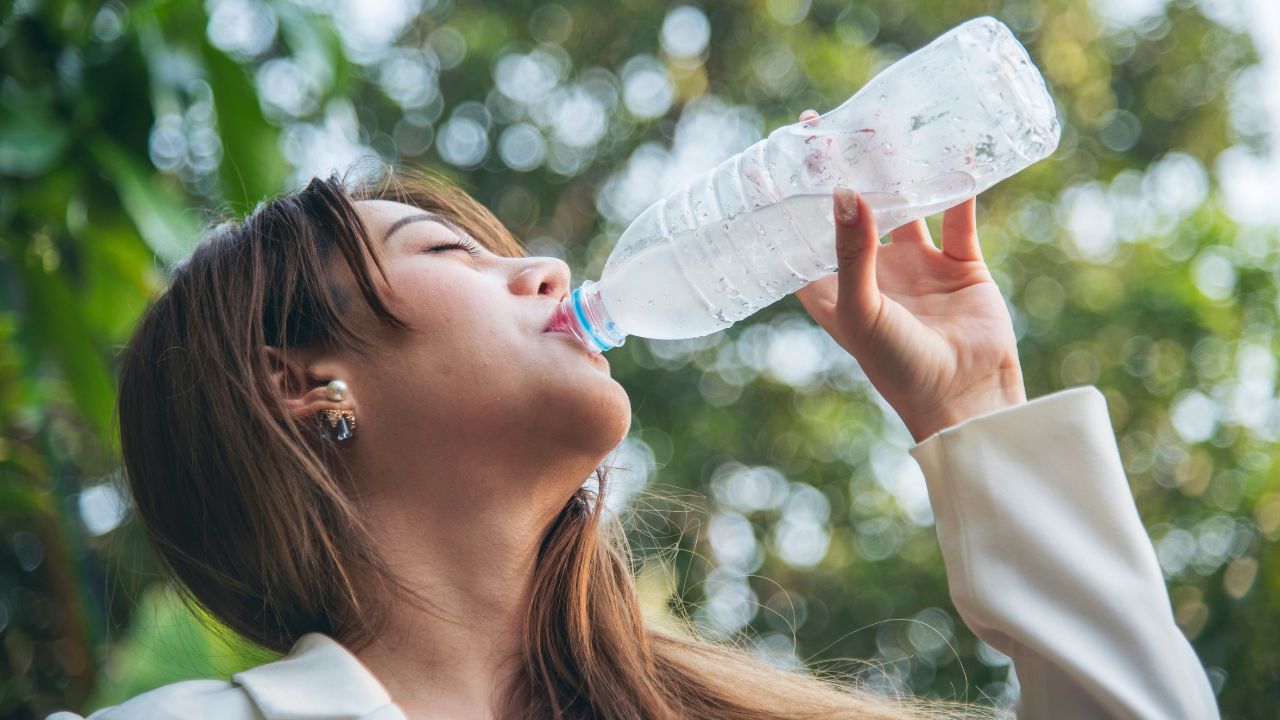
{"type": "Point", "coordinates": [336, 390]}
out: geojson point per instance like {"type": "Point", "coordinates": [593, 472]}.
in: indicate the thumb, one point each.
{"type": "Point", "coordinates": [857, 243]}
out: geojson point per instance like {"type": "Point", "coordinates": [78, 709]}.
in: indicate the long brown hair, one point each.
{"type": "Point", "coordinates": [252, 511]}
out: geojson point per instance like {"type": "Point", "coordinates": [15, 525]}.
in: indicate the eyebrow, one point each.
{"type": "Point", "coordinates": [423, 217]}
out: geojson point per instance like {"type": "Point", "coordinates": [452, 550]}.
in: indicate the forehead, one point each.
{"type": "Point", "coordinates": [381, 213]}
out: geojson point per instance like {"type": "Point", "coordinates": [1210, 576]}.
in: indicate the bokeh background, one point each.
{"type": "Point", "coordinates": [768, 487]}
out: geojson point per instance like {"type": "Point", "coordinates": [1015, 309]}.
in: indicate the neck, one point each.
{"type": "Point", "coordinates": [472, 564]}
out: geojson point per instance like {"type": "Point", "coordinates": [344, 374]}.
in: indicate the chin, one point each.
{"type": "Point", "coordinates": [598, 419]}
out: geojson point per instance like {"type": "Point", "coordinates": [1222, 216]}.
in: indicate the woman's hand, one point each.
{"type": "Point", "coordinates": [928, 326]}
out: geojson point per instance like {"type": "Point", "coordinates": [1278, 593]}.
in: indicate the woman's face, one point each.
{"type": "Point", "coordinates": [476, 383]}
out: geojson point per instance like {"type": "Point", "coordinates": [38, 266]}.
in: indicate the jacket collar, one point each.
{"type": "Point", "coordinates": [318, 679]}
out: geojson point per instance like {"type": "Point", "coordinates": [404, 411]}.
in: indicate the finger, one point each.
{"type": "Point", "coordinates": [809, 116]}
{"type": "Point", "coordinates": [819, 300]}
{"type": "Point", "coordinates": [857, 243]}
{"type": "Point", "coordinates": [913, 232]}
{"type": "Point", "coordinates": [960, 232]}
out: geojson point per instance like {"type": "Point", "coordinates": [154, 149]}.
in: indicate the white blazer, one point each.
{"type": "Point", "coordinates": [1046, 557]}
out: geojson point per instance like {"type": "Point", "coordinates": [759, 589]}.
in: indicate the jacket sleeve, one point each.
{"type": "Point", "coordinates": [1048, 562]}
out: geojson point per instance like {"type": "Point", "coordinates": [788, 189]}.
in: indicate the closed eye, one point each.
{"type": "Point", "coordinates": [470, 247]}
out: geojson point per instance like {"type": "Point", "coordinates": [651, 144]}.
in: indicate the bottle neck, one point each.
{"type": "Point", "coordinates": [583, 315]}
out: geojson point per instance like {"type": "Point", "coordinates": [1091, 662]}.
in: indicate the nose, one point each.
{"type": "Point", "coordinates": [542, 276]}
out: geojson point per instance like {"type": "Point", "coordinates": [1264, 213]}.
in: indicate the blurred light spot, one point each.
{"type": "Point", "coordinates": [787, 611]}
{"type": "Point", "coordinates": [646, 89]}
{"type": "Point", "coordinates": [631, 468]}
{"type": "Point", "coordinates": [580, 119]}
{"type": "Point", "coordinates": [931, 632]}
{"type": "Point", "coordinates": [1214, 273]}
{"type": "Point", "coordinates": [1239, 577]}
{"type": "Point", "coordinates": [748, 489]}
{"type": "Point", "coordinates": [28, 550]}
{"type": "Point", "coordinates": [410, 77]}
{"type": "Point", "coordinates": [546, 247]}
{"type": "Point", "coordinates": [516, 206]}
{"type": "Point", "coordinates": [1177, 184]}
{"type": "Point", "coordinates": [733, 541]}
{"type": "Point", "coordinates": [1248, 182]}
{"type": "Point", "coordinates": [788, 12]}
{"type": "Point", "coordinates": [285, 90]}
{"type": "Point", "coordinates": [709, 131]}
{"type": "Point", "coordinates": [1043, 298]}
{"type": "Point", "coordinates": [795, 354]}
{"type": "Point", "coordinates": [102, 508]}
{"type": "Point", "coordinates": [1174, 551]}
{"type": "Point", "coordinates": [167, 143]}
{"type": "Point", "coordinates": [877, 538]}
{"type": "Point", "coordinates": [900, 475]}
{"type": "Point", "coordinates": [1080, 367]}
{"type": "Point", "coordinates": [1214, 537]}
{"type": "Point", "coordinates": [463, 142]}
{"type": "Point", "coordinates": [110, 22]}
{"type": "Point", "coordinates": [685, 31]}
{"type": "Point", "coordinates": [990, 656]}
{"type": "Point", "coordinates": [567, 160]}
{"type": "Point", "coordinates": [778, 650]}
{"type": "Point", "coordinates": [806, 502]}
{"type": "Point", "coordinates": [801, 542]}
{"type": "Point", "coordinates": [412, 136]}
{"type": "Point", "coordinates": [328, 146]}
{"type": "Point", "coordinates": [521, 147]}
{"type": "Point", "coordinates": [1194, 416]}
{"type": "Point", "coordinates": [1089, 222]}
{"type": "Point", "coordinates": [1248, 98]}
{"type": "Point", "coordinates": [730, 604]}
{"type": "Point", "coordinates": [369, 27]}
{"type": "Point", "coordinates": [526, 78]}
{"type": "Point", "coordinates": [719, 389]}
{"type": "Point", "coordinates": [777, 68]}
{"type": "Point", "coordinates": [241, 28]}
{"type": "Point", "coordinates": [1128, 13]}
{"type": "Point", "coordinates": [602, 85]}
{"type": "Point", "coordinates": [551, 23]}
{"type": "Point", "coordinates": [449, 45]}
{"type": "Point", "coordinates": [1122, 131]}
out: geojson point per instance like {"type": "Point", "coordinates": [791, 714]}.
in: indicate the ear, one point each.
{"type": "Point", "coordinates": [303, 380]}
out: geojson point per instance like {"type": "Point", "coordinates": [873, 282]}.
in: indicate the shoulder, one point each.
{"type": "Point", "coordinates": [186, 700]}
{"type": "Point", "coordinates": [318, 679]}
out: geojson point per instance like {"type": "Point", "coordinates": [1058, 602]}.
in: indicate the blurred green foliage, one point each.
{"type": "Point", "coordinates": [772, 492]}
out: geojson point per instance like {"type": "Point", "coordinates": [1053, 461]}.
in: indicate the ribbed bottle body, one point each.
{"type": "Point", "coordinates": [935, 128]}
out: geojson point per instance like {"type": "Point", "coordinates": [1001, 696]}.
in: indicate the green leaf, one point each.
{"type": "Point", "coordinates": [53, 314]}
{"type": "Point", "coordinates": [31, 138]}
{"type": "Point", "coordinates": [252, 166]}
{"type": "Point", "coordinates": [157, 212]}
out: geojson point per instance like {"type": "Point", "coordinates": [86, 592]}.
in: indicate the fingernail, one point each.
{"type": "Point", "coordinates": [809, 116]}
{"type": "Point", "coordinates": [846, 205]}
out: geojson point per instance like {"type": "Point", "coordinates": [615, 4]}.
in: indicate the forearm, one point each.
{"type": "Point", "coordinates": [1048, 562]}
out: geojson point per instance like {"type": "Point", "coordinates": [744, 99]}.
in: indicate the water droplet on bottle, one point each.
{"type": "Point", "coordinates": [794, 180]}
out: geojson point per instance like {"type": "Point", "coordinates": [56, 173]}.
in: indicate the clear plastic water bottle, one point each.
{"type": "Point", "coordinates": [935, 128]}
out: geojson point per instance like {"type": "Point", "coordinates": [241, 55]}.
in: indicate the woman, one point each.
{"type": "Point", "coordinates": [349, 438]}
